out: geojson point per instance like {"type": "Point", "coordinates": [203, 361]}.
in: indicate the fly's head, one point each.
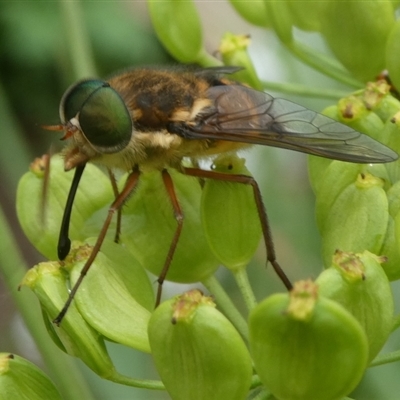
{"type": "Point", "coordinates": [95, 120]}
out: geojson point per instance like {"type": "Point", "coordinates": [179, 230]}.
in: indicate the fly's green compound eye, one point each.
{"type": "Point", "coordinates": [73, 99]}
{"type": "Point", "coordinates": [105, 120]}
{"type": "Point", "coordinates": [103, 116]}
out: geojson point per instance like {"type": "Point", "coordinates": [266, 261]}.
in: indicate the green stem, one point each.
{"type": "Point", "coordinates": [245, 288]}
{"type": "Point", "coordinates": [138, 383]}
{"type": "Point", "coordinates": [386, 358]}
{"type": "Point", "coordinates": [62, 367]}
{"type": "Point", "coordinates": [322, 63]}
{"type": "Point", "coordinates": [206, 60]}
{"type": "Point", "coordinates": [396, 323]}
{"type": "Point", "coordinates": [12, 138]}
{"type": "Point", "coordinates": [226, 305]}
{"type": "Point", "coordinates": [79, 48]}
{"type": "Point", "coordinates": [305, 91]}
{"type": "Point", "coordinates": [283, 26]}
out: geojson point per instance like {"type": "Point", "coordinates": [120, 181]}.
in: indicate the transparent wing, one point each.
{"type": "Point", "coordinates": [241, 114]}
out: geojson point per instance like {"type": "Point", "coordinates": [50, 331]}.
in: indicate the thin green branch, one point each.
{"type": "Point", "coordinates": [396, 323]}
{"type": "Point", "coordinates": [305, 91]}
{"type": "Point", "coordinates": [12, 138]}
{"type": "Point", "coordinates": [79, 47]}
{"type": "Point", "coordinates": [322, 63]}
{"type": "Point", "coordinates": [226, 305]}
{"type": "Point", "coordinates": [386, 358]}
{"type": "Point", "coordinates": [138, 383]}
{"type": "Point", "coordinates": [245, 288]}
{"type": "Point", "coordinates": [207, 60]}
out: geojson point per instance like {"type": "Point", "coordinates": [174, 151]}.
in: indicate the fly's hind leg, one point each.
{"type": "Point", "coordinates": [262, 213]}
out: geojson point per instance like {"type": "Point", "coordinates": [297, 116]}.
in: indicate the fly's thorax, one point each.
{"type": "Point", "coordinates": [154, 151]}
{"type": "Point", "coordinates": [148, 150]}
{"type": "Point", "coordinates": [159, 150]}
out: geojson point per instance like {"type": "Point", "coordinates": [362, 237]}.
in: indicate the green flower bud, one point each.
{"type": "Point", "coordinates": [305, 346]}
{"type": "Point", "coordinates": [358, 283]}
{"type": "Point", "coordinates": [40, 217]}
{"type": "Point", "coordinates": [393, 54]}
{"type": "Point", "coordinates": [391, 248]}
{"type": "Point", "coordinates": [77, 337]}
{"type": "Point", "coordinates": [377, 98]}
{"type": "Point", "coordinates": [356, 32]}
{"type": "Point", "coordinates": [116, 296]}
{"type": "Point", "coordinates": [337, 177]}
{"type": "Point", "coordinates": [22, 380]}
{"type": "Point", "coordinates": [148, 228]}
{"type": "Point", "coordinates": [281, 19]}
{"type": "Point", "coordinates": [178, 27]}
{"type": "Point", "coordinates": [318, 165]}
{"type": "Point", "coordinates": [358, 218]}
{"type": "Point", "coordinates": [255, 13]}
{"type": "Point", "coordinates": [234, 52]}
{"type": "Point", "coordinates": [391, 137]}
{"type": "Point", "coordinates": [306, 15]}
{"type": "Point", "coordinates": [229, 214]}
{"type": "Point", "coordinates": [393, 267]}
{"type": "Point", "coordinates": [197, 352]}
{"type": "Point", "coordinates": [354, 113]}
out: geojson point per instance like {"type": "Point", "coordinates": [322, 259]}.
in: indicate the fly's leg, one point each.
{"type": "Point", "coordinates": [178, 214]}
{"type": "Point", "coordinates": [130, 185]}
{"type": "Point", "coordinates": [119, 212]}
{"type": "Point", "coordinates": [262, 213]}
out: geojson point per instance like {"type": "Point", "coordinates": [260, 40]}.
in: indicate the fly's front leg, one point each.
{"type": "Point", "coordinates": [130, 185]}
{"type": "Point", "coordinates": [262, 213]}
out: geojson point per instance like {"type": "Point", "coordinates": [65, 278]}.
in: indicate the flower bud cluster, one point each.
{"type": "Point", "coordinates": [358, 283]}
{"type": "Point", "coordinates": [357, 205]}
{"type": "Point", "coordinates": [363, 36]}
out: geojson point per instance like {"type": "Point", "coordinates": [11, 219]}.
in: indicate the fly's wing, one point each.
{"type": "Point", "coordinates": [241, 114]}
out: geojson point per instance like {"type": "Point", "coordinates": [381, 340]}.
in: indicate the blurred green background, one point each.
{"type": "Point", "coordinates": [35, 70]}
